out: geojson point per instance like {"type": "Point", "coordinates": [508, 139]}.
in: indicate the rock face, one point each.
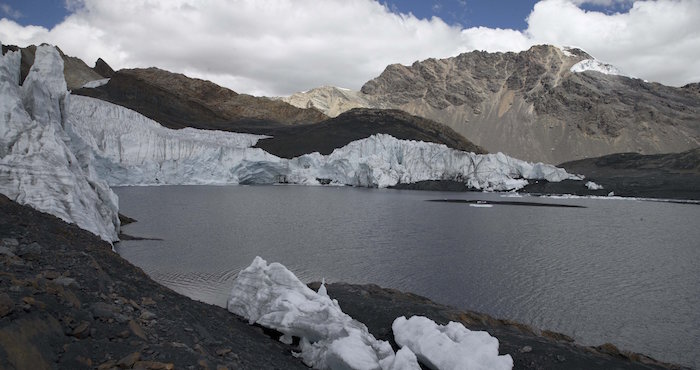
{"type": "Point", "coordinates": [177, 101]}
{"type": "Point", "coordinates": [532, 105]}
{"type": "Point", "coordinates": [330, 100]}
{"type": "Point", "coordinates": [103, 69]}
{"type": "Point", "coordinates": [356, 124]}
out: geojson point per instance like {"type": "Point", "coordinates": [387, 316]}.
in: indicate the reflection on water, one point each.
{"type": "Point", "coordinates": [619, 271]}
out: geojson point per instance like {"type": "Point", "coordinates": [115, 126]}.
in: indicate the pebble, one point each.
{"type": "Point", "coordinates": [526, 349]}
{"type": "Point", "coordinates": [137, 330]}
{"type": "Point", "coordinates": [10, 243]}
{"type": "Point", "coordinates": [7, 305]}
{"type": "Point", "coordinates": [29, 249]}
{"type": "Point", "coordinates": [101, 310]}
{"type": "Point", "coordinates": [147, 315]}
{"type": "Point", "coordinates": [129, 360]}
{"type": "Point", "coordinates": [5, 251]}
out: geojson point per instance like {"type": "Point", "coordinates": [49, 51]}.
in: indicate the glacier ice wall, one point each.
{"type": "Point", "coordinates": [41, 164]}
{"type": "Point", "coordinates": [131, 149]}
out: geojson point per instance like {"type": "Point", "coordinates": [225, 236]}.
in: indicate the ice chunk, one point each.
{"type": "Point", "coordinates": [272, 296]}
{"type": "Point", "coordinates": [450, 346]}
{"type": "Point", "coordinates": [593, 186]}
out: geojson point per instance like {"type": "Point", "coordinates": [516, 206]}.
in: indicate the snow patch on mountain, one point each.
{"type": "Point", "coordinates": [597, 66]}
{"type": "Point", "coordinates": [42, 164]}
{"type": "Point", "coordinates": [96, 83]}
{"type": "Point", "coordinates": [330, 100]}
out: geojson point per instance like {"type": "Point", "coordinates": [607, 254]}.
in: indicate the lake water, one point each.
{"type": "Point", "coordinates": [619, 271]}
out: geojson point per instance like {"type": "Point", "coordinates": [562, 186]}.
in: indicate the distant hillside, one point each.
{"type": "Point", "coordinates": [176, 101]}
{"type": "Point", "coordinates": [324, 137]}
{"type": "Point", "coordinates": [671, 176]}
{"type": "Point", "coordinates": [532, 105]}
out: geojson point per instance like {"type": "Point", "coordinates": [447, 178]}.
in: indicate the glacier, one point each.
{"type": "Point", "coordinates": [131, 149]}
{"type": "Point", "coordinates": [60, 153]}
{"type": "Point", "coordinates": [272, 296]}
{"type": "Point", "coordinates": [41, 163]}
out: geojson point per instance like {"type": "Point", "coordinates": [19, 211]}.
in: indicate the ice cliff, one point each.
{"type": "Point", "coordinates": [41, 163]}
{"type": "Point", "coordinates": [132, 150]}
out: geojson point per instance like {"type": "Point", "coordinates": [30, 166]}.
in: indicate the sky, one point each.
{"type": "Point", "coordinates": [277, 47]}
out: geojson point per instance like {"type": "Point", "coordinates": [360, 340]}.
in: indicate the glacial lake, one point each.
{"type": "Point", "coordinates": [616, 270]}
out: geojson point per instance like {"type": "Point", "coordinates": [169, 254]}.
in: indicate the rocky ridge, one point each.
{"type": "Point", "coordinates": [531, 105]}
{"type": "Point", "coordinates": [176, 101]}
{"type": "Point", "coordinates": [356, 124]}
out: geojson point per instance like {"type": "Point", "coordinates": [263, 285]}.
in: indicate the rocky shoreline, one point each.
{"type": "Point", "coordinates": [68, 301]}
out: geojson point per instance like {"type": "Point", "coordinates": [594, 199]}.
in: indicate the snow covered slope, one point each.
{"type": "Point", "coordinates": [133, 150]}
{"type": "Point", "coordinates": [596, 66]}
{"type": "Point", "coordinates": [42, 164]}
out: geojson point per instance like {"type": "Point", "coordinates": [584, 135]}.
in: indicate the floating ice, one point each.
{"type": "Point", "coordinates": [450, 346]}
{"type": "Point", "coordinates": [593, 186]}
{"type": "Point", "coordinates": [272, 296]}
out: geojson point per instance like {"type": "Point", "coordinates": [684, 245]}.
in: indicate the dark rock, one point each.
{"type": "Point", "coordinates": [147, 315]}
{"type": "Point", "coordinates": [81, 331]}
{"type": "Point", "coordinates": [7, 305]}
{"type": "Point", "coordinates": [29, 250]}
{"type": "Point", "coordinates": [129, 360]}
{"type": "Point", "coordinates": [103, 69]}
{"type": "Point", "coordinates": [101, 310]}
{"type": "Point", "coordinates": [137, 330]}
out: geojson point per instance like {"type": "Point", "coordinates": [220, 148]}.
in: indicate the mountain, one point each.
{"type": "Point", "coordinates": [544, 104]}
{"type": "Point", "coordinates": [329, 99]}
{"type": "Point", "coordinates": [178, 101]}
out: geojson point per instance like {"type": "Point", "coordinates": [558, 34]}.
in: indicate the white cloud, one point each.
{"type": "Point", "coordinates": [277, 47]}
{"type": "Point", "coordinates": [9, 11]}
{"type": "Point", "coordinates": [655, 40]}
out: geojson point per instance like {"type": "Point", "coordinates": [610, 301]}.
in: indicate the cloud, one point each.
{"type": "Point", "coordinates": [276, 47]}
{"type": "Point", "coordinates": [654, 40]}
{"type": "Point", "coordinates": [7, 10]}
